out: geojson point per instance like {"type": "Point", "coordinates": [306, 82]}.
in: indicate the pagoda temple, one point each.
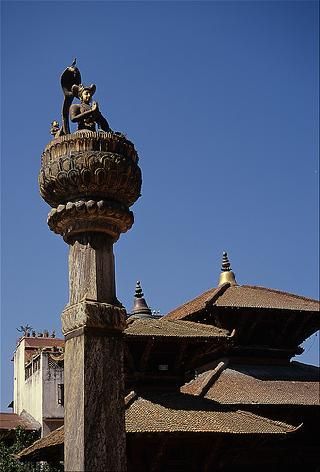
{"type": "Point", "coordinates": [212, 386]}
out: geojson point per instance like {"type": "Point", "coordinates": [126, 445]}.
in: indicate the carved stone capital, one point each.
{"type": "Point", "coordinates": [89, 165]}
{"type": "Point", "coordinates": [106, 217]}
{"type": "Point", "coordinates": [92, 314]}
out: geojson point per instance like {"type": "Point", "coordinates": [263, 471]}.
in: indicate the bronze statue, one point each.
{"type": "Point", "coordinates": [86, 114]}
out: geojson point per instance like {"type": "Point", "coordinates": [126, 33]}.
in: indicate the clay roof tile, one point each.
{"type": "Point", "coordinates": [245, 296]}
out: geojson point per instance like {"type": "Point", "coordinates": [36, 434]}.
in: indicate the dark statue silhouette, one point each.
{"type": "Point", "coordinates": [86, 113]}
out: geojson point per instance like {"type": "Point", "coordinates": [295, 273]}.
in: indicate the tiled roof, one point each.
{"type": "Point", "coordinates": [185, 413]}
{"type": "Point", "coordinates": [10, 421]}
{"type": "Point", "coordinates": [178, 413]}
{"type": "Point", "coordinates": [34, 344]}
{"type": "Point", "coordinates": [37, 342]}
{"type": "Point", "coordinates": [167, 328]}
{"type": "Point", "coordinates": [195, 305]}
{"type": "Point", "coordinates": [294, 384]}
{"type": "Point", "coordinates": [248, 296]}
{"type": "Point", "coordinates": [245, 296]}
{"type": "Point", "coordinates": [55, 438]}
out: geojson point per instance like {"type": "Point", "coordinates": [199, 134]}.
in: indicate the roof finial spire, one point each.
{"type": "Point", "coordinates": [138, 292]}
{"type": "Point", "coordinates": [226, 273]}
{"type": "Point", "coordinates": [225, 266]}
{"type": "Point", "coordinates": [140, 306]}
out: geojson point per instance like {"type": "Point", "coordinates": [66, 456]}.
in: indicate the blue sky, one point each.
{"type": "Point", "coordinates": [221, 101]}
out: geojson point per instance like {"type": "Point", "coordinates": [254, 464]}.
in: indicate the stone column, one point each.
{"type": "Point", "coordinates": [91, 268]}
{"type": "Point", "coordinates": [90, 179]}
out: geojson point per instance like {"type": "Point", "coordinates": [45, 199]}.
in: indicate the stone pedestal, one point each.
{"type": "Point", "coordinates": [91, 179]}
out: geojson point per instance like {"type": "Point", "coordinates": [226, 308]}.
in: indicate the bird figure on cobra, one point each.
{"type": "Point", "coordinates": [85, 114]}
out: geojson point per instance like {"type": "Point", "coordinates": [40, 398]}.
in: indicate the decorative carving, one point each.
{"type": "Point", "coordinates": [89, 141]}
{"type": "Point", "coordinates": [82, 216]}
{"type": "Point", "coordinates": [90, 165]}
{"type": "Point", "coordinates": [92, 314]}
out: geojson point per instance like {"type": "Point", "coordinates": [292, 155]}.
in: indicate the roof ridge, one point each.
{"type": "Point", "coordinates": [209, 378]}
{"type": "Point", "coordinates": [274, 290]}
{"type": "Point", "coordinates": [191, 300]}
{"type": "Point", "coordinates": [215, 374]}
{"type": "Point", "coordinates": [130, 398]}
{"type": "Point", "coordinates": [218, 292]}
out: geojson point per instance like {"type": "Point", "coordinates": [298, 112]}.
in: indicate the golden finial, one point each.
{"type": "Point", "coordinates": [226, 273]}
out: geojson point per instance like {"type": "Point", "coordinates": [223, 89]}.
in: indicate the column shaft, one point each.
{"type": "Point", "coordinates": [94, 416]}
{"type": "Point", "coordinates": [91, 268]}
{"type": "Point", "coordinates": [94, 379]}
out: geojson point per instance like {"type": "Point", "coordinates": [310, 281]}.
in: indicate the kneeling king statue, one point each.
{"type": "Point", "coordinates": [86, 113]}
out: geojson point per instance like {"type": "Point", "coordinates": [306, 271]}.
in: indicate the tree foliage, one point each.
{"type": "Point", "coordinates": [22, 439]}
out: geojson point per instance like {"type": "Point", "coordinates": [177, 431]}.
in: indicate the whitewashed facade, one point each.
{"type": "Point", "coordinates": [39, 380]}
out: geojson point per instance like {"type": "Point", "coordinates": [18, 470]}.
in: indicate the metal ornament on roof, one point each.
{"type": "Point", "coordinates": [225, 266]}
{"type": "Point", "coordinates": [140, 306]}
{"type": "Point", "coordinates": [226, 276]}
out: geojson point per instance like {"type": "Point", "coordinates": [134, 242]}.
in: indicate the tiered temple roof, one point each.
{"type": "Point", "coordinates": [213, 372]}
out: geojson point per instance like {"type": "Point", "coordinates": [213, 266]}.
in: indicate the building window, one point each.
{"type": "Point", "coordinates": [28, 371]}
{"type": "Point", "coordinates": [36, 364]}
{"type": "Point", "coordinates": [61, 394]}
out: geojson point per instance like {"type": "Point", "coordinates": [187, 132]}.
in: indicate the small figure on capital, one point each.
{"type": "Point", "coordinates": [55, 129]}
{"type": "Point", "coordinates": [87, 112]}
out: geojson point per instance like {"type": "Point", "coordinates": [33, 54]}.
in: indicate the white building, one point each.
{"type": "Point", "coordinates": [38, 380]}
